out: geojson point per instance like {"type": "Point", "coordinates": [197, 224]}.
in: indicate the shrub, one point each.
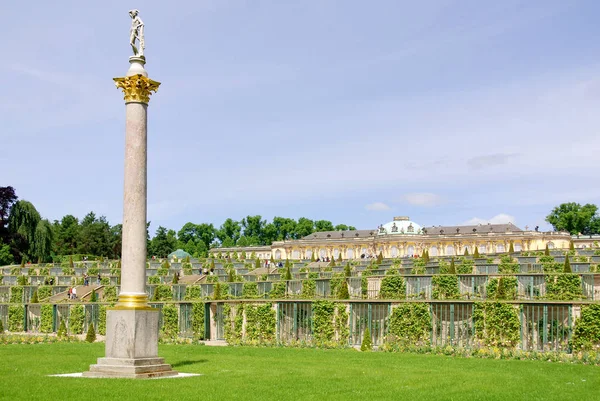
{"type": "Point", "coordinates": [154, 280]}
{"type": "Point", "coordinates": [46, 318]}
{"type": "Point", "coordinates": [198, 320]}
{"type": "Point", "coordinates": [347, 270]}
{"type": "Point", "coordinates": [342, 292]}
{"type": "Point", "coordinates": [1, 327]}
{"type": "Point", "coordinates": [366, 344]}
{"type": "Point", "coordinates": [476, 253]}
{"type": "Point", "coordinates": [323, 313]}
{"type": "Point", "coordinates": [91, 334]}
{"type": "Point", "coordinates": [288, 274]}
{"type": "Point", "coordinates": [175, 279]}
{"type": "Point", "coordinates": [34, 298]}
{"type": "Point", "coordinates": [567, 265]}
{"type": "Point", "coordinates": [93, 296]}
{"type": "Point", "coordinates": [62, 329]}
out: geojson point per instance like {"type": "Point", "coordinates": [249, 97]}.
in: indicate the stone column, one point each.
{"type": "Point", "coordinates": [132, 325]}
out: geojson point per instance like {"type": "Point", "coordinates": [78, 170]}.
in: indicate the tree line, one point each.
{"type": "Point", "coordinates": [26, 236]}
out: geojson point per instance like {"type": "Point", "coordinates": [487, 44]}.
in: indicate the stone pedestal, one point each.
{"type": "Point", "coordinates": [131, 346]}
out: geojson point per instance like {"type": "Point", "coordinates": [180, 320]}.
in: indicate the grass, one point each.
{"type": "Point", "coordinates": [245, 373]}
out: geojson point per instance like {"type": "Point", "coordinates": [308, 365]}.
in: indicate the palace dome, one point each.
{"type": "Point", "coordinates": [401, 225]}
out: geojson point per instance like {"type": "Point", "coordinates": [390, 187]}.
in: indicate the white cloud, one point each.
{"type": "Point", "coordinates": [377, 207]}
{"type": "Point", "coordinates": [501, 218]}
{"type": "Point", "coordinates": [426, 199]}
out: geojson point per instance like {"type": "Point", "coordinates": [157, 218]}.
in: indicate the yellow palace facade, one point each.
{"type": "Point", "coordinates": [402, 237]}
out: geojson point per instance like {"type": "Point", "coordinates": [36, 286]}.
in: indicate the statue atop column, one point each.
{"type": "Point", "coordinates": [136, 32]}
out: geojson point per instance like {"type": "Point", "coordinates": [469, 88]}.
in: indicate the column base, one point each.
{"type": "Point", "coordinates": [131, 346]}
{"type": "Point", "coordinates": [140, 368]}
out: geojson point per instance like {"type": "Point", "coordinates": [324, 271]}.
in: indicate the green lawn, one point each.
{"type": "Point", "coordinates": [245, 373]}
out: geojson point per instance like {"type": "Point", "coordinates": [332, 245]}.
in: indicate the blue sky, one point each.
{"type": "Point", "coordinates": [350, 111]}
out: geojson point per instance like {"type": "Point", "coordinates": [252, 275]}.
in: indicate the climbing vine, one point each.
{"type": "Point", "coordinates": [508, 265]}
{"type": "Point", "coordinates": [260, 324]}
{"type": "Point", "coordinates": [170, 323]}
{"type": "Point", "coordinates": [162, 292]}
{"type": "Point", "coordinates": [109, 293]}
{"type": "Point", "coordinates": [496, 324]}
{"type": "Point", "coordinates": [565, 286]}
{"type": "Point", "coordinates": [198, 320]}
{"type": "Point", "coordinates": [234, 323]}
{"type": "Point", "coordinates": [504, 287]}
{"type": "Point", "coordinates": [445, 287]}
{"type": "Point", "coordinates": [278, 290]}
{"type": "Point", "coordinates": [392, 287]}
{"type": "Point", "coordinates": [46, 318]}
{"type": "Point", "coordinates": [323, 328]}
{"type": "Point", "coordinates": [586, 334]}
{"type": "Point", "coordinates": [250, 290]}
{"type": "Point", "coordinates": [76, 317]}
{"type": "Point", "coordinates": [410, 323]}
{"type": "Point", "coordinates": [193, 292]}
{"type": "Point", "coordinates": [16, 294]}
{"type": "Point", "coordinates": [102, 320]}
{"type": "Point", "coordinates": [341, 324]}
{"type": "Point", "coordinates": [44, 292]}
{"type": "Point", "coordinates": [16, 314]}
{"type": "Point", "coordinates": [466, 266]}
{"type": "Point", "coordinates": [308, 289]}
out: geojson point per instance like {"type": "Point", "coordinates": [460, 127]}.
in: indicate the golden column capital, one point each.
{"type": "Point", "coordinates": [137, 88]}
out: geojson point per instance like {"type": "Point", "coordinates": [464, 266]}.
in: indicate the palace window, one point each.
{"type": "Point", "coordinates": [500, 248]}
{"type": "Point", "coordinates": [410, 251]}
{"type": "Point", "coordinates": [450, 250]}
{"type": "Point", "coordinates": [433, 251]}
{"type": "Point", "coordinates": [394, 252]}
{"type": "Point", "coordinates": [482, 249]}
{"type": "Point", "coordinates": [278, 254]}
{"type": "Point", "coordinates": [350, 254]}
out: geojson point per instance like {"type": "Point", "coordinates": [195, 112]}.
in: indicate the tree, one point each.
{"type": "Point", "coordinates": [511, 248]}
{"type": "Point", "coordinates": [575, 219]}
{"type": "Point", "coordinates": [66, 233]}
{"type": "Point", "coordinates": [466, 251]}
{"type": "Point", "coordinates": [91, 334]}
{"type": "Point", "coordinates": [347, 270]}
{"type": "Point", "coordinates": [567, 266]}
{"type": "Point", "coordinates": [340, 257]}
{"type": "Point", "coordinates": [571, 246]}
{"type": "Point", "coordinates": [23, 220]}
{"type": "Point", "coordinates": [93, 296]}
{"type": "Point", "coordinates": [343, 290]}
{"type": "Point", "coordinates": [547, 250]}
{"type": "Point", "coordinates": [288, 273]}
{"type": "Point", "coordinates": [229, 232]}
{"type": "Point", "coordinates": [163, 243]}
{"type": "Point", "coordinates": [366, 344]}
{"type": "Point", "coordinates": [323, 225]}
{"type": "Point", "coordinates": [7, 198]}
{"type": "Point", "coordinates": [42, 244]}
{"type": "Point", "coordinates": [341, 227]}
{"type": "Point", "coordinates": [34, 298]}
{"type": "Point", "coordinates": [6, 258]}
{"type": "Point", "coordinates": [94, 235]}
{"type": "Point", "coordinates": [304, 227]}
{"type": "Point", "coordinates": [452, 269]}
{"type": "Point", "coordinates": [476, 253]}
{"type": "Point", "coordinates": [254, 227]}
